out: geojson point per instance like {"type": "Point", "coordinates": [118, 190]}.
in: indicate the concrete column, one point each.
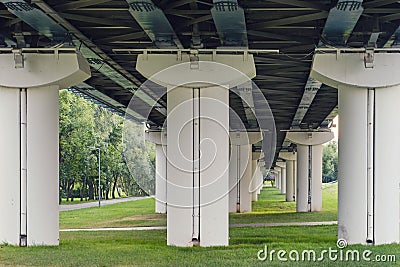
{"type": "Point", "coordinates": [254, 196]}
{"type": "Point", "coordinates": [259, 176]}
{"type": "Point", "coordinates": [295, 178]}
{"type": "Point", "coordinates": [368, 87]}
{"type": "Point", "coordinates": [161, 179]}
{"type": "Point", "coordinates": [240, 170]}
{"type": "Point", "coordinates": [198, 140]}
{"type": "Point", "coordinates": [282, 165]}
{"type": "Point", "coordinates": [309, 168]}
{"type": "Point", "coordinates": [255, 157]}
{"type": "Point", "coordinates": [278, 177]}
{"type": "Point", "coordinates": [275, 174]}
{"type": "Point", "coordinates": [257, 182]}
{"type": "Point", "coordinates": [290, 186]}
{"type": "Point", "coordinates": [29, 112]}
{"type": "Point", "coordinates": [198, 178]}
{"type": "Point", "coordinates": [240, 178]}
{"type": "Point", "coordinates": [159, 139]}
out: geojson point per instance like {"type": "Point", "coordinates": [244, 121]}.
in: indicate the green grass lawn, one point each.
{"type": "Point", "coordinates": [126, 214]}
{"type": "Point", "coordinates": [148, 248]}
{"type": "Point", "coordinates": [271, 207]}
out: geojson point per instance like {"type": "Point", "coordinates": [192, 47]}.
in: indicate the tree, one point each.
{"type": "Point", "coordinates": [76, 132]}
{"type": "Point", "coordinates": [84, 127]}
{"type": "Point", "coordinates": [329, 162]}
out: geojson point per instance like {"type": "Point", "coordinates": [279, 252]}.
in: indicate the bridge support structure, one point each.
{"type": "Point", "coordinates": [282, 165]}
{"type": "Point", "coordinates": [309, 168]}
{"type": "Point", "coordinates": [368, 85]}
{"type": "Point", "coordinates": [256, 180]}
{"type": "Point", "coordinates": [240, 170]}
{"type": "Point", "coordinates": [159, 138]}
{"type": "Point", "coordinates": [198, 140]}
{"type": "Point", "coordinates": [277, 170]}
{"type": "Point", "coordinates": [29, 111]}
{"type": "Point", "coordinates": [289, 157]}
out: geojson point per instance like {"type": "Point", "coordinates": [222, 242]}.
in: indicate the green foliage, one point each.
{"type": "Point", "coordinates": [84, 127]}
{"type": "Point", "coordinates": [330, 162]}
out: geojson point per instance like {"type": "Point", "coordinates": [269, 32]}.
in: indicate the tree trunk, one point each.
{"type": "Point", "coordinates": [67, 191]}
{"type": "Point", "coordinates": [114, 186]}
{"type": "Point", "coordinates": [107, 192]}
{"type": "Point", "coordinates": [70, 191]}
{"type": "Point", "coordinates": [90, 191]}
{"type": "Point", "coordinates": [82, 191]}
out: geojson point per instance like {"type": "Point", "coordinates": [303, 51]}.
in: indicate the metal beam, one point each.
{"type": "Point", "coordinates": [340, 23]}
{"type": "Point", "coordinates": [378, 3]}
{"type": "Point", "coordinates": [154, 22]}
{"type": "Point", "coordinates": [290, 20]}
{"type": "Point", "coordinates": [78, 4]}
{"type": "Point", "coordinates": [308, 4]}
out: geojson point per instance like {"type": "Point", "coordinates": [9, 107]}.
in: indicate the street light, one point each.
{"type": "Point", "coordinates": [98, 149]}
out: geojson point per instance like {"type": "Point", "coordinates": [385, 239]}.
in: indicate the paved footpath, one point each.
{"type": "Point", "coordinates": [232, 226]}
{"type": "Point", "coordinates": [96, 203]}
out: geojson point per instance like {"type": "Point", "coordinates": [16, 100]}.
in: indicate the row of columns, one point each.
{"type": "Point", "coordinates": [299, 177]}
{"type": "Point", "coordinates": [368, 184]}
{"type": "Point", "coordinates": [198, 184]}
{"type": "Point", "coordinates": [245, 175]}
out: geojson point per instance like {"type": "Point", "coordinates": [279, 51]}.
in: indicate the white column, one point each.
{"type": "Point", "coordinates": [198, 183]}
{"type": "Point", "coordinates": [289, 181]}
{"type": "Point", "coordinates": [198, 140]}
{"type": "Point", "coordinates": [277, 177]}
{"type": "Point", "coordinates": [259, 176]}
{"type": "Point", "coordinates": [240, 178]}
{"type": "Point", "coordinates": [257, 182]}
{"type": "Point", "coordinates": [290, 186]}
{"type": "Point", "coordinates": [29, 144]}
{"type": "Point", "coordinates": [161, 179]}
{"type": "Point", "coordinates": [240, 170]}
{"type": "Point", "coordinates": [368, 176]}
{"type": "Point", "coordinates": [255, 157]}
{"type": "Point", "coordinates": [159, 139]}
{"type": "Point", "coordinates": [295, 177]}
{"type": "Point", "coordinates": [303, 183]}
{"type": "Point", "coordinates": [309, 168]}
{"type": "Point", "coordinates": [282, 165]}
{"type": "Point", "coordinates": [275, 173]}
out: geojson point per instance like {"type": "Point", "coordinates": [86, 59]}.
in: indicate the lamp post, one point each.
{"type": "Point", "coordinates": [98, 157]}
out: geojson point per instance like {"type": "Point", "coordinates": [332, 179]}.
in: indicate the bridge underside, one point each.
{"type": "Point", "coordinates": [282, 37]}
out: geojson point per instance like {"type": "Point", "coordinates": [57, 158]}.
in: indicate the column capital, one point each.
{"type": "Point", "coordinates": [256, 155]}
{"type": "Point", "coordinates": [281, 164]}
{"type": "Point", "coordinates": [38, 70]}
{"type": "Point", "coordinates": [348, 69]}
{"type": "Point", "coordinates": [309, 138]}
{"type": "Point", "coordinates": [245, 138]}
{"type": "Point", "coordinates": [288, 155]}
{"type": "Point", "coordinates": [172, 70]}
{"type": "Point", "coordinates": [156, 137]}
{"type": "Point", "coordinates": [277, 168]}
